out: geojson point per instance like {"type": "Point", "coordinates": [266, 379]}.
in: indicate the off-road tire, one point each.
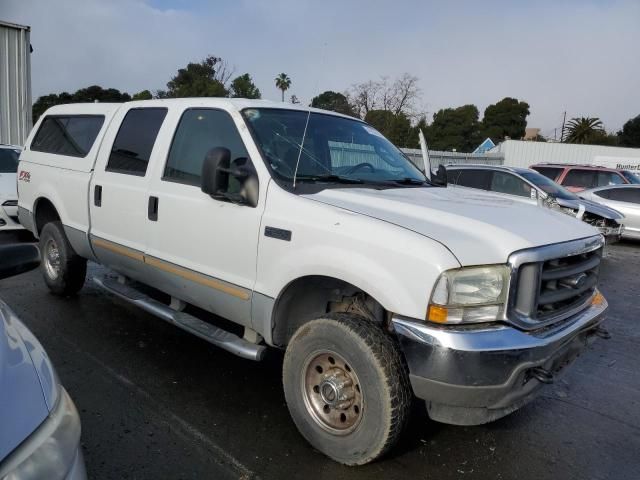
{"type": "Point", "coordinates": [72, 269]}
{"type": "Point", "coordinates": [375, 358]}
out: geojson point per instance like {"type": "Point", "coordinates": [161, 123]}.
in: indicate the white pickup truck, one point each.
{"type": "Point", "coordinates": [311, 232]}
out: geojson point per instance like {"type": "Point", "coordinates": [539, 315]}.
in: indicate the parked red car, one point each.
{"type": "Point", "coordinates": [582, 177]}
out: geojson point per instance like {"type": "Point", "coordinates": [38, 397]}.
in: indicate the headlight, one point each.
{"type": "Point", "coordinates": [469, 295]}
{"type": "Point", "coordinates": [50, 451]}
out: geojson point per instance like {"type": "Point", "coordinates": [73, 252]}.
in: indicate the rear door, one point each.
{"type": "Point", "coordinates": [118, 191]}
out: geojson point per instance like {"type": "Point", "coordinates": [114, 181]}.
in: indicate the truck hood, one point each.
{"type": "Point", "coordinates": [478, 228]}
{"type": "Point", "coordinates": [23, 400]}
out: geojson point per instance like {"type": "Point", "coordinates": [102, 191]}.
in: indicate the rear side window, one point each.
{"type": "Point", "coordinates": [135, 139]}
{"type": "Point", "coordinates": [631, 195]}
{"type": "Point", "coordinates": [70, 135]}
{"type": "Point", "coordinates": [475, 178]}
{"type": "Point", "coordinates": [8, 160]}
{"type": "Point", "coordinates": [507, 183]}
{"type": "Point", "coordinates": [580, 178]}
{"type": "Point", "coordinates": [549, 172]}
{"type": "Point", "coordinates": [200, 130]}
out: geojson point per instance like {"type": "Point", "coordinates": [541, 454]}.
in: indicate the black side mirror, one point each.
{"type": "Point", "coordinates": [215, 171]}
{"type": "Point", "coordinates": [440, 178]}
{"type": "Point", "coordinates": [17, 259]}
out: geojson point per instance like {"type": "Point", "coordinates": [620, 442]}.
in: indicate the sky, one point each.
{"type": "Point", "coordinates": [581, 57]}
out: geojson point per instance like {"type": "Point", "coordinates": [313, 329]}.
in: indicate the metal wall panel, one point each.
{"type": "Point", "coordinates": [524, 154]}
{"type": "Point", "coordinates": [15, 83]}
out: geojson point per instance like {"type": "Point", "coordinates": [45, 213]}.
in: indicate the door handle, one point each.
{"type": "Point", "coordinates": [152, 209]}
{"type": "Point", "coordinates": [97, 195]}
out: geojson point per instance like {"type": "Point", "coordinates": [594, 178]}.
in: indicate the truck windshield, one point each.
{"type": "Point", "coordinates": [8, 160]}
{"type": "Point", "coordinates": [549, 186]}
{"type": "Point", "coordinates": [327, 149]}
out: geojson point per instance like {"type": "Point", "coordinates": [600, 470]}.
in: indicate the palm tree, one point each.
{"type": "Point", "coordinates": [283, 82]}
{"type": "Point", "coordinates": [580, 130]}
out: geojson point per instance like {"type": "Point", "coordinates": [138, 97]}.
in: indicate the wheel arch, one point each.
{"type": "Point", "coordinates": [44, 211]}
{"type": "Point", "coordinates": [308, 297]}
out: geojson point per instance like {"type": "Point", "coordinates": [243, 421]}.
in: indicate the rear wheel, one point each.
{"type": "Point", "coordinates": [346, 387]}
{"type": "Point", "coordinates": [64, 271]}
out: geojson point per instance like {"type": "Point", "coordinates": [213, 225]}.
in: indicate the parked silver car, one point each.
{"type": "Point", "coordinates": [625, 199]}
{"type": "Point", "coordinates": [39, 425]}
{"type": "Point", "coordinates": [524, 184]}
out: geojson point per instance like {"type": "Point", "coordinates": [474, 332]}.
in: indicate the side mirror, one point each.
{"type": "Point", "coordinates": [440, 178]}
{"type": "Point", "coordinates": [17, 259]}
{"type": "Point", "coordinates": [215, 171]}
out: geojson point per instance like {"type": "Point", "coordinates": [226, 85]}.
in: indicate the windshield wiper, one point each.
{"type": "Point", "coordinates": [407, 181]}
{"type": "Point", "coordinates": [328, 178]}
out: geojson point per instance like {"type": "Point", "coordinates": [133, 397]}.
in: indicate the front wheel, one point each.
{"type": "Point", "coordinates": [346, 387]}
{"type": "Point", "coordinates": [64, 271]}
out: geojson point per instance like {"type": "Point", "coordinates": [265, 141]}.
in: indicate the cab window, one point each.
{"type": "Point", "coordinates": [550, 172]}
{"type": "Point", "coordinates": [631, 195]}
{"type": "Point", "coordinates": [609, 178]}
{"type": "Point", "coordinates": [134, 142]}
{"type": "Point", "coordinates": [200, 130]}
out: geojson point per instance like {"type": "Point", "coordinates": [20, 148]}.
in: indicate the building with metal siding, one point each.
{"type": "Point", "coordinates": [15, 83]}
{"type": "Point", "coordinates": [518, 153]}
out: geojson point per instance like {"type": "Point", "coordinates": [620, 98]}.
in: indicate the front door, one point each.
{"type": "Point", "coordinates": [204, 250]}
{"type": "Point", "coordinates": [119, 189]}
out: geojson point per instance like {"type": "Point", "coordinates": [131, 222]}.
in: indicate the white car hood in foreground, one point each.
{"type": "Point", "coordinates": [478, 228]}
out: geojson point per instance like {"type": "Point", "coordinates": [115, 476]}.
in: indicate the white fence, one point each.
{"type": "Point", "coordinates": [453, 158]}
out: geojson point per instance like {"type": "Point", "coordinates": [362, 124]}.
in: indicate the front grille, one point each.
{"type": "Point", "coordinates": [550, 288]}
{"type": "Point", "coordinates": [10, 203]}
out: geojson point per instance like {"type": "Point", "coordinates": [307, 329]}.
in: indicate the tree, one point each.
{"type": "Point", "coordinates": [143, 95]}
{"type": "Point", "coordinates": [89, 94]}
{"type": "Point", "coordinates": [399, 96]}
{"type": "Point", "coordinates": [455, 128]}
{"type": "Point", "coordinates": [205, 79]}
{"type": "Point", "coordinates": [333, 101]}
{"type": "Point", "coordinates": [630, 134]}
{"type": "Point", "coordinates": [243, 87]}
{"type": "Point", "coordinates": [396, 127]}
{"type": "Point", "coordinates": [283, 82]}
{"type": "Point", "coordinates": [583, 130]}
{"type": "Point", "coordinates": [507, 118]}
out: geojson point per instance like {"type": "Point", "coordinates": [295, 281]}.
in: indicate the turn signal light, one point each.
{"type": "Point", "coordinates": [437, 314]}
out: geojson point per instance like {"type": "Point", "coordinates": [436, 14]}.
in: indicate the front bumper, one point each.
{"type": "Point", "coordinates": [53, 451]}
{"type": "Point", "coordinates": [9, 216]}
{"type": "Point", "coordinates": [474, 375]}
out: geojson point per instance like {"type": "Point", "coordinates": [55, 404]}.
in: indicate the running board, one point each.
{"type": "Point", "coordinates": [217, 336]}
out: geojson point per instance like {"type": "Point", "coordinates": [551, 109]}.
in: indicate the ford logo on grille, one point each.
{"type": "Point", "coordinates": [575, 281]}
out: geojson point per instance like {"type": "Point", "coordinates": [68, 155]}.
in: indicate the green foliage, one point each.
{"type": "Point", "coordinates": [584, 130]}
{"type": "Point", "coordinates": [630, 134]}
{"type": "Point", "coordinates": [507, 118]}
{"type": "Point", "coordinates": [333, 101]}
{"type": "Point", "coordinates": [243, 87]}
{"type": "Point", "coordinates": [283, 82]}
{"type": "Point", "coordinates": [396, 127]}
{"type": "Point", "coordinates": [83, 95]}
{"type": "Point", "coordinates": [197, 80]}
{"type": "Point", "coordinates": [143, 95]}
{"type": "Point", "coordinates": [455, 128]}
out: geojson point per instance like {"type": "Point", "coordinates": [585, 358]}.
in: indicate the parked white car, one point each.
{"type": "Point", "coordinates": [8, 193]}
{"type": "Point", "coordinates": [624, 198]}
{"type": "Point", "coordinates": [314, 234]}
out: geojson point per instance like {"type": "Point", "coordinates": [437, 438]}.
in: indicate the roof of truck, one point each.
{"type": "Point", "coordinates": [227, 103]}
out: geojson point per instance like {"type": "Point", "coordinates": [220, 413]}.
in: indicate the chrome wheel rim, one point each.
{"type": "Point", "coordinates": [332, 392]}
{"type": "Point", "coordinates": [52, 259]}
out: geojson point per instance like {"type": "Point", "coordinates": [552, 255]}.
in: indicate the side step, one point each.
{"type": "Point", "coordinates": [221, 338]}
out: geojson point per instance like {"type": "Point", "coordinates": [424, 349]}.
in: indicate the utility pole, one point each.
{"type": "Point", "coordinates": [564, 119]}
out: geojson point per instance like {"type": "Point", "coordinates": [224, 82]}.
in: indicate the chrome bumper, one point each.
{"type": "Point", "coordinates": [472, 375]}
